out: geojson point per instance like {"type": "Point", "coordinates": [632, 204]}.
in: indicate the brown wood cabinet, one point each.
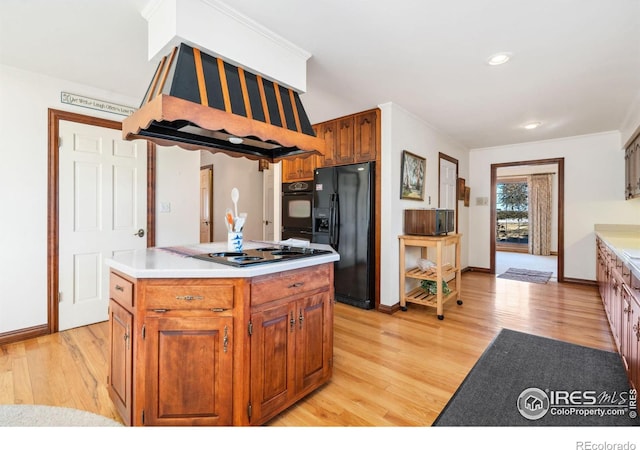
{"type": "Point", "coordinates": [344, 153]}
{"type": "Point", "coordinates": [366, 135]}
{"type": "Point", "coordinates": [632, 169]}
{"type": "Point", "coordinates": [350, 139]}
{"type": "Point", "coordinates": [120, 373]}
{"type": "Point", "coordinates": [218, 351]}
{"type": "Point", "coordinates": [329, 132]}
{"type": "Point", "coordinates": [291, 339]}
{"type": "Point", "coordinates": [298, 169]}
{"type": "Point", "coordinates": [188, 370]}
{"type": "Point", "coordinates": [620, 292]}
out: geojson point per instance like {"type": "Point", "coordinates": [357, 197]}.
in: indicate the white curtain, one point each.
{"type": "Point", "coordinates": [540, 200]}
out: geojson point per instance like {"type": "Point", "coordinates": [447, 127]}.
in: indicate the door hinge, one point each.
{"type": "Point", "coordinates": [59, 297]}
{"type": "Point", "coordinates": [142, 417]}
{"type": "Point", "coordinates": [59, 141]}
{"type": "Point", "coordinates": [144, 331]}
{"type": "Point", "coordinates": [250, 328]}
{"type": "Point", "coordinates": [249, 410]}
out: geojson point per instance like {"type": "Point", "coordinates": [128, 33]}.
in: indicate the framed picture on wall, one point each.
{"type": "Point", "coordinates": [412, 176]}
{"type": "Point", "coordinates": [461, 182]}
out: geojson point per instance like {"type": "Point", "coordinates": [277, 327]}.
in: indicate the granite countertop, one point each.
{"type": "Point", "coordinates": [624, 240]}
{"type": "Point", "coordinates": [176, 262]}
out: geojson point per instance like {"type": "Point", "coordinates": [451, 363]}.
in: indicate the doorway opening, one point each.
{"type": "Point", "coordinates": [447, 184]}
{"type": "Point", "coordinates": [206, 203]}
{"type": "Point", "coordinates": [527, 216]}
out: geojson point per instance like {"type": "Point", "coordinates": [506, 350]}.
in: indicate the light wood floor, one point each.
{"type": "Point", "coordinates": [389, 370]}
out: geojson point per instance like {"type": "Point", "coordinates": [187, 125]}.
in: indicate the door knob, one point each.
{"type": "Point", "coordinates": [140, 233]}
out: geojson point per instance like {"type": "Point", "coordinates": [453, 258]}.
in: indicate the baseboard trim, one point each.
{"type": "Point", "coordinates": [389, 309]}
{"type": "Point", "coordinates": [580, 281]}
{"type": "Point", "coordinates": [23, 334]}
{"type": "Point", "coordinates": [476, 269]}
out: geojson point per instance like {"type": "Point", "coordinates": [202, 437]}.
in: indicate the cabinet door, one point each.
{"type": "Point", "coordinates": [344, 149]}
{"type": "Point", "coordinates": [635, 169]}
{"type": "Point", "coordinates": [329, 132]}
{"type": "Point", "coordinates": [307, 166]}
{"type": "Point", "coordinates": [625, 328]}
{"type": "Point", "coordinates": [615, 308]}
{"type": "Point", "coordinates": [634, 343]}
{"type": "Point", "coordinates": [290, 170]}
{"type": "Point", "coordinates": [298, 169]}
{"type": "Point", "coordinates": [366, 136]}
{"type": "Point", "coordinates": [313, 341]}
{"type": "Point", "coordinates": [189, 363]}
{"type": "Point", "coordinates": [121, 358]}
{"type": "Point", "coordinates": [272, 353]}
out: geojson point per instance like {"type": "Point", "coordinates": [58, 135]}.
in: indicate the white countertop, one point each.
{"type": "Point", "coordinates": [175, 262]}
{"type": "Point", "coordinates": [625, 242]}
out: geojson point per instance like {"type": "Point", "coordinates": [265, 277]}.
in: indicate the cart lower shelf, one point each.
{"type": "Point", "coordinates": [421, 297]}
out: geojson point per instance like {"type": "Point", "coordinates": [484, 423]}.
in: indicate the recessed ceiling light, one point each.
{"type": "Point", "coordinates": [532, 125]}
{"type": "Point", "coordinates": [499, 58]}
{"type": "Point", "coordinates": [235, 140]}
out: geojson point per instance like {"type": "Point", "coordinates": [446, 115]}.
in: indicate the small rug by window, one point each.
{"type": "Point", "coordinates": [531, 276]}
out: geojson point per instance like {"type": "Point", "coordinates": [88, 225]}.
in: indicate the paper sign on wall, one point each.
{"type": "Point", "coordinates": [92, 103]}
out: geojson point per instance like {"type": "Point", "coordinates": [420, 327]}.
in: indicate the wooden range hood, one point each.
{"type": "Point", "coordinates": [199, 102]}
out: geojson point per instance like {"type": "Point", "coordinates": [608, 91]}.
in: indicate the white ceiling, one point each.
{"type": "Point", "coordinates": [575, 64]}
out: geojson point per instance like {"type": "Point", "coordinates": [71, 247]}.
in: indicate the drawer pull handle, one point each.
{"type": "Point", "coordinates": [160, 310]}
{"type": "Point", "coordinates": [189, 297]}
{"type": "Point", "coordinates": [119, 288]}
{"type": "Point", "coordinates": [296, 285]}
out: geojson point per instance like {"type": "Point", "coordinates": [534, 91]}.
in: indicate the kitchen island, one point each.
{"type": "Point", "coordinates": [195, 342]}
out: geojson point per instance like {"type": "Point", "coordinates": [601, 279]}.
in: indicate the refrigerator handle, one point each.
{"type": "Point", "coordinates": [336, 221]}
{"type": "Point", "coordinates": [332, 220]}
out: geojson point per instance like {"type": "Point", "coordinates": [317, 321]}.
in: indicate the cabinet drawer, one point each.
{"type": "Point", "coordinates": [276, 286]}
{"type": "Point", "coordinates": [121, 290]}
{"type": "Point", "coordinates": [189, 296]}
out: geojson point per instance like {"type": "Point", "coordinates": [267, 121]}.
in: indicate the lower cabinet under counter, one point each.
{"type": "Point", "coordinates": [200, 352]}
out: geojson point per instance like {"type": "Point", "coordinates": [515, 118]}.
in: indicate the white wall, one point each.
{"type": "Point", "coordinates": [401, 130]}
{"type": "Point", "coordinates": [593, 193]}
{"type": "Point", "coordinates": [229, 172]}
{"type": "Point", "coordinates": [177, 185]}
{"type": "Point", "coordinates": [25, 98]}
{"type": "Point", "coordinates": [631, 125]}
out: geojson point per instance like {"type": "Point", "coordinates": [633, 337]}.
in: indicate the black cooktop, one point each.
{"type": "Point", "coordinates": [262, 255]}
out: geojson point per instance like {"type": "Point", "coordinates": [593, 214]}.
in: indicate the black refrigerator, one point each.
{"type": "Point", "coordinates": [343, 212]}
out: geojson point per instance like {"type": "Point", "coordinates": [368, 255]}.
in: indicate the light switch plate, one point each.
{"type": "Point", "coordinates": [165, 207]}
{"type": "Point", "coordinates": [482, 201]}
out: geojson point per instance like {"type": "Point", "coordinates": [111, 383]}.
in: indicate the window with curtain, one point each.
{"type": "Point", "coordinates": [540, 226]}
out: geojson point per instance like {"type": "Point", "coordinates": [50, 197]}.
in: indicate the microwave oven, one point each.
{"type": "Point", "coordinates": [428, 222]}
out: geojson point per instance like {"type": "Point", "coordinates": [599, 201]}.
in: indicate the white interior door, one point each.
{"type": "Point", "coordinates": [102, 208]}
{"type": "Point", "coordinates": [448, 198]}
{"type": "Point", "coordinates": [448, 184]}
